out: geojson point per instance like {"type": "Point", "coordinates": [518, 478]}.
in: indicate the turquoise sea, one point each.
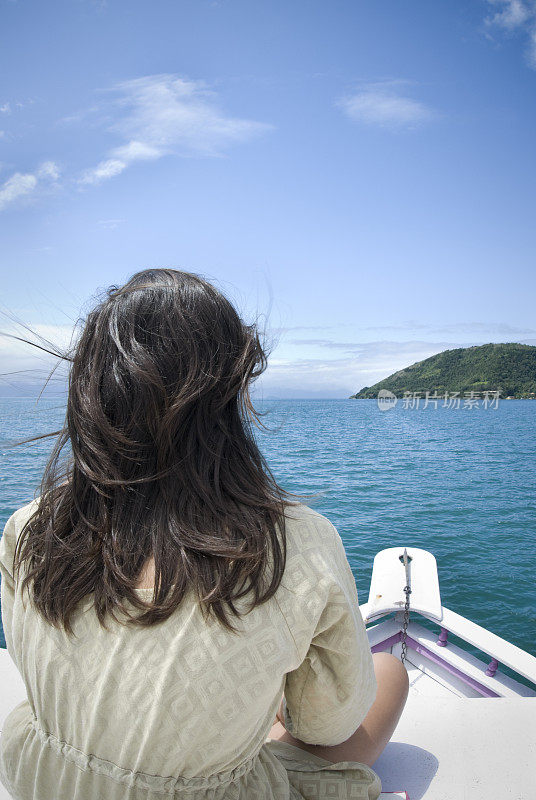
{"type": "Point", "coordinates": [459, 482]}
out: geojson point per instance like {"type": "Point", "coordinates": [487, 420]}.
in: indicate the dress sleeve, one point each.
{"type": "Point", "coordinates": [328, 696]}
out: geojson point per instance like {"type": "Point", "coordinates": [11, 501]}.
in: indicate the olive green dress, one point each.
{"type": "Point", "coordinates": [184, 709]}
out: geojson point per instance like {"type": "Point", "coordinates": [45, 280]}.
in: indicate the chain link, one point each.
{"type": "Point", "coordinates": [405, 625]}
{"type": "Point", "coordinates": [407, 591]}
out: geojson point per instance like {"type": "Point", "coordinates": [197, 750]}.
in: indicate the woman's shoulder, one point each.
{"type": "Point", "coordinates": [309, 526]}
{"type": "Point", "coordinates": [315, 566]}
{"type": "Point", "coordinates": [19, 518]}
{"type": "Point", "coordinates": [24, 512]}
{"type": "Point", "coordinates": [12, 530]}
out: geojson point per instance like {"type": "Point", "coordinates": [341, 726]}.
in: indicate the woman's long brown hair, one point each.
{"type": "Point", "coordinates": [163, 462]}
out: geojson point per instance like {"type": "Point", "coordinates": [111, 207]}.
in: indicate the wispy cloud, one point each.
{"type": "Point", "coordinates": [382, 348]}
{"type": "Point", "coordinates": [103, 171]}
{"type": "Point", "coordinates": [285, 329]}
{"type": "Point", "coordinates": [487, 328]}
{"type": "Point", "coordinates": [409, 327]}
{"type": "Point", "coordinates": [385, 104]}
{"type": "Point", "coordinates": [24, 184]}
{"type": "Point", "coordinates": [161, 115]}
{"type": "Point", "coordinates": [516, 16]}
{"type": "Point", "coordinates": [8, 106]}
{"type": "Point", "coordinates": [110, 224]}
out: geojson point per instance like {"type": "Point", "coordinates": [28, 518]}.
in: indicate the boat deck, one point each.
{"type": "Point", "coordinates": [450, 747]}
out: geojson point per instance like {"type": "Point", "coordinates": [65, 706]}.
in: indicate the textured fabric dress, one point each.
{"type": "Point", "coordinates": [184, 709]}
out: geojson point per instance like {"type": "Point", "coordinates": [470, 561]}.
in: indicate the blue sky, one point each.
{"type": "Point", "coordinates": [359, 174]}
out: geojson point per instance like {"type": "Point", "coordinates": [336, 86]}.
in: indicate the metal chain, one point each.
{"type": "Point", "coordinates": [407, 590]}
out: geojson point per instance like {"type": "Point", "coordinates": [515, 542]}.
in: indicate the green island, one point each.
{"type": "Point", "coordinates": [507, 368]}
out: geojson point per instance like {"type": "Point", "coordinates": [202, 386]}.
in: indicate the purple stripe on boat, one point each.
{"type": "Point", "coordinates": [420, 648]}
{"type": "Point", "coordinates": [378, 648]}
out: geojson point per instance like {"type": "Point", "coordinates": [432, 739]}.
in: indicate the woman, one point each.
{"type": "Point", "coordinates": [164, 599]}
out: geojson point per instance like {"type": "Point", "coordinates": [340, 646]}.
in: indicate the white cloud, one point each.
{"type": "Point", "coordinates": [16, 186]}
{"type": "Point", "coordinates": [110, 224]}
{"type": "Point", "coordinates": [493, 329]}
{"type": "Point", "coordinates": [23, 184]}
{"type": "Point", "coordinates": [8, 107]}
{"type": "Point", "coordinates": [513, 13]}
{"type": "Point", "coordinates": [103, 171]}
{"type": "Point", "coordinates": [384, 103]}
{"type": "Point", "coordinates": [160, 115]}
{"type": "Point", "coordinates": [516, 16]}
{"type": "Point", "coordinates": [137, 151]}
{"type": "Point", "coordinates": [48, 169]}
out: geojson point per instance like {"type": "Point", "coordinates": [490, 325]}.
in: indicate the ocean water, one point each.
{"type": "Point", "coordinates": [457, 482]}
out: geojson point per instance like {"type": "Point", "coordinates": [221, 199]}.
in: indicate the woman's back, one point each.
{"type": "Point", "coordinates": [186, 704]}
